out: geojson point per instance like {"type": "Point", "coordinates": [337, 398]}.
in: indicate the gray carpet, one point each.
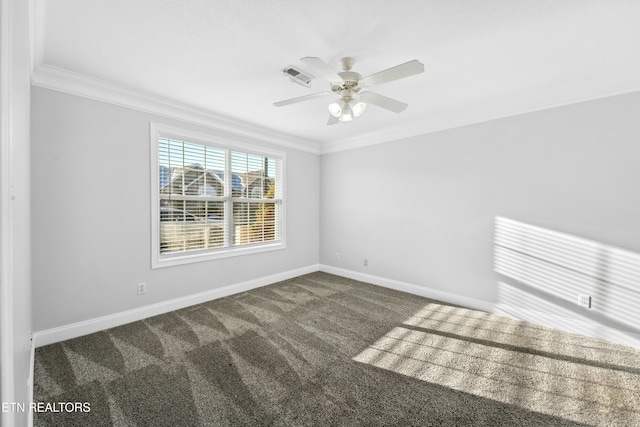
{"type": "Point", "coordinates": [328, 351]}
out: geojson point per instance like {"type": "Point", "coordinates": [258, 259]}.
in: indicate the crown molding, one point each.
{"type": "Point", "coordinates": [66, 81]}
{"type": "Point", "coordinates": [514, 105]}
{"type": "Point", "coordinates": [59, 79]}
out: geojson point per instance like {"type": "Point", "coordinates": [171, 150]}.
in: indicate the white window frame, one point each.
{"type": "Point", "coordinates": [229, 143]}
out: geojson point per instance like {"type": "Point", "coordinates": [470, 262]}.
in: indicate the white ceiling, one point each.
{"type": "Point", "coordinates": [222, 59]}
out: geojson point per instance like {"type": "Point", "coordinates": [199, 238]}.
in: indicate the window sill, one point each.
{"type": "Point", "coordinates": [160, 261]}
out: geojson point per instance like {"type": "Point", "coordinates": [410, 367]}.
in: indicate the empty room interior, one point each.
{"type": "Point", "coordinates": [320, 213]}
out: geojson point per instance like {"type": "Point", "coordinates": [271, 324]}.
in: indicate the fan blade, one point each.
{"type": "Point", "coordinates": [383, 102]}
{"type": "Point", "coordinates": [332, 120]}
{"type": "Point", "coordinates": [321, 67]}
{"type": "Point", "coordinates": [302, 98]}
{"type": "Point", "coordinates": [398, 72]}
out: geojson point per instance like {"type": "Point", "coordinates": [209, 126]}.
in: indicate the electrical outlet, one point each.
{"type": "Point", "coordinates": [142, 288]}
{"type": "Point", "coordinates": [584, 300]}
{"type": "Point", "coordinates": [366, 262]}
{"type": "Point", "coordinates": [337, 256]}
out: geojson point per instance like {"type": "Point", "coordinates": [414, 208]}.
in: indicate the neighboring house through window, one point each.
{"type": "Point", "coordinates": [213, 198]}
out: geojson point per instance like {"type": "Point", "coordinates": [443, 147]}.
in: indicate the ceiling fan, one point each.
{"type": "Point", "coordinates": [347, 85]}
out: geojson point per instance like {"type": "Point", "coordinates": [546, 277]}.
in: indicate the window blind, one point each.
{"type": "Point", "coordinates": [214, 198]}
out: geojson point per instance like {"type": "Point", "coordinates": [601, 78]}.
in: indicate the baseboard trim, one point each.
{"type": "Point", "coordinates": [590, 329]}
{"type": "Point", "coordinates": [594, 330]}
{"type": "Point", "coordinates": [410, 288]}
{"type": "Point", "coordinates": [51, 336]}
{"type": "Point", "coordinates": [54, 335]}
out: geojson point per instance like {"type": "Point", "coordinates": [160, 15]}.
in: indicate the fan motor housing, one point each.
{"type": "Point", "coordinates": [351, 82]}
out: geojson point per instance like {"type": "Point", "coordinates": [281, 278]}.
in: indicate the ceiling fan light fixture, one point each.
{"type": "Point", "coordinates": [345, 117]}
{"type": "Point", "coordinates": [335, 109]}
{"type": "Point", "coordinates": [347, 113]}
{"type": "Point", "coordinates": [357, 107]}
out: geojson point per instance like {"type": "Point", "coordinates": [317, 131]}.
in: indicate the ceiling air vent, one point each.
{"type": "Point", "coordinates": [296, 75]}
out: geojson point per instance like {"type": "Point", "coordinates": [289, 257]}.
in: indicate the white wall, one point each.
{"type": "Point", "coordinates": [91, 216]}
{"type": "Point", "coordinates": [422, 210]}
{"type": "Point", "coordinates": [15, 280]}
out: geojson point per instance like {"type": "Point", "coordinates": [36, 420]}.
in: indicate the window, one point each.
{"type": "Point", "coordinates": [213, 198]}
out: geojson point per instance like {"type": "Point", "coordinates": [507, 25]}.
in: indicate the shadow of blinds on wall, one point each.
{"type": "Point", "coordinates": [551, 269]}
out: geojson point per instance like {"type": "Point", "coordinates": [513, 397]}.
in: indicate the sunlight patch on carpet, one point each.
{"type": "Point", "coordinates": [508, 361]}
